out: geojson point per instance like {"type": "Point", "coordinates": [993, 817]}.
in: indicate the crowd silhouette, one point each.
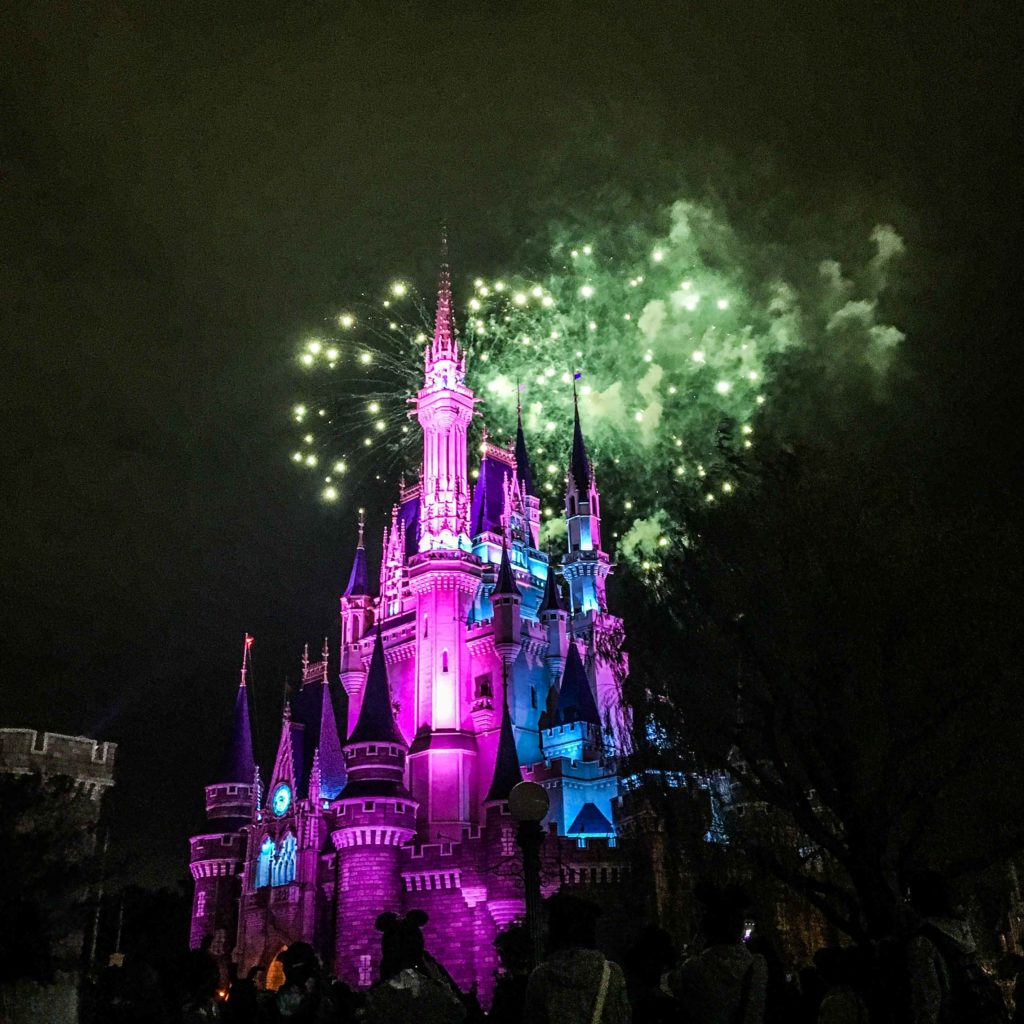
{"type": "Point", "coordinates": [931, 976]}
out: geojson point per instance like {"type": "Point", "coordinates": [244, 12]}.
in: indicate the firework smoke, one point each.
{"type": "Point", "coordinates": [675, 340]}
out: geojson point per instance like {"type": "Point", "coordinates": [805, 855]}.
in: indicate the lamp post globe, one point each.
{"type": "Point", "coordinates": [528, 801]}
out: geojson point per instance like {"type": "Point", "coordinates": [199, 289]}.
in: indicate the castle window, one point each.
{"type": "Point", "coordinates": [200, 903]}
{"type": "Point", "coordinates": [508, 843]}
{"type": "Point", "coordinates": [365, 975]}
{"type": "Point", "coordinates": [572, 505]}
{"type": "Point", "coordinates": [368, 806]}
{"type": "Point", "coordinates": [533, 696]}
{"type": "Point", "coordinates": [264, 862]}
{"type": "Point", "coordinates": [284, 863]}
{"type": "Point", "coordinates": [444, 660]}
{"type": "Point", "coordinates": [426, 626]}
{"type": "Point", "coordinates": [482, 686]}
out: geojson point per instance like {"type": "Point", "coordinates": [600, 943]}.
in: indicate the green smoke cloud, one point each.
{"type": "Point", "coordinates": [676, 336]}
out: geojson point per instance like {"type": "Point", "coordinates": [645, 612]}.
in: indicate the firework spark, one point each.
{"type": "Point", "coordinates": [670, 341]}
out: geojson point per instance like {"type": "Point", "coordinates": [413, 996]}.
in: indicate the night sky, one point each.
{"type": "Point", "coordinates": [186, 189]}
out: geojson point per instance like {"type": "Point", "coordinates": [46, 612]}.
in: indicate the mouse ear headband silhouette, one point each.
{"type": "Point", "coordinates": [417, 918]}
{"type": "Point", "coordinates": [386, 922]}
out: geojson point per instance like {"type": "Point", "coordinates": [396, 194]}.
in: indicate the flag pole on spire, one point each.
{"type": "Point", "coordinates": [245, 658]}
{"type": "Point", "coordinates": [445, 344]}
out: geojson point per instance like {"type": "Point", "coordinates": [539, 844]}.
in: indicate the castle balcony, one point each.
{"type": "Point", "coordinates": [444, 555]}
{"type": "Point", "coordinates": [483, 713]}
{"type": "Point", "coordinates": [374, 821]}
{"type": "Point", "coordinates": [226, 868]}
{"type": "Point", "coordinates": [584, 563]}
{"type": "Point", "coordinates": [290, 892]}
{"type": "Point", "coordinates": [229, 800]}
{"type": "Point", "coordinates": [220, 846]}
{"type": "Point", "coordinates": [444, 569]}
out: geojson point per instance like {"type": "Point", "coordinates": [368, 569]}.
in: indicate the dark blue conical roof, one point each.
{"type": "Point", "coordinates": [552, 599]}
{"type": "Point", "coordinates": [376, 721]}
{"type": "Point", "coordinates": [580, 461]}
{"type": "Point", "coordinates": [238, 764]}
{"type": "Point", "coordinates": [358, 578]}
{"type": "Point", "coordinates": [575, 698]}
{"type": "Point", "coordinates": [489, 496]}
{"type": "Point", "coordinates": [507, 772]}
{"type": "Point", "coordinates": [506, 584]}
{"type": "Point", "coordinates": [523, 467]}
{"type": "Point", "coordinates": [332, 763]}
{"type": "Point", "coordinates": [410, 516]}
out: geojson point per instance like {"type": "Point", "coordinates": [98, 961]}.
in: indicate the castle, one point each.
{"type": "Point", "coordinates": [467, 672]}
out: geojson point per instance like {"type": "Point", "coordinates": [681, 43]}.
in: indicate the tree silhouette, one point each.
{"type": "Point", "coordinates": [47, 834]}
{"type": "Point", "coordinates": [842, 635]}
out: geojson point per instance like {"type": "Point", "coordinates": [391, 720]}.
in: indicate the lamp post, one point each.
{"type": "Point", "coordinates": [528, 803]}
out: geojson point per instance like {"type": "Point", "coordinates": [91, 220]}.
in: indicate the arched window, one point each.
{"type": "Point", "coordinates": [572, 505]}
{"type": "Point", "coordinates": [284, 862]}
{"type": "Point", "coordinates": [426, 626]}
{"type": "Point", "coordinates": [264, 862]}
{"type": "Point", "coordinates": [444, 660]}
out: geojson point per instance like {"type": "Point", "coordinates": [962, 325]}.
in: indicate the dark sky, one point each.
{"type": "Point", "coordinates": [185, 188]}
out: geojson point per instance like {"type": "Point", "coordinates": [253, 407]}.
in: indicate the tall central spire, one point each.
{"type": "Point", "coordinates": [445, 344]}
{"type": "Point", "coordinates": [444, 407]}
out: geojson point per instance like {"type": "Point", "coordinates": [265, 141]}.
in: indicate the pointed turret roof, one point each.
{"type": "Point", "coordinates": [523, 467]}
{"type": "Point", "coordinates": [489, 494]}
{"type": "Point", "coordinates": [288, 764]}
{"type": "Point", "coordinates": [359, 578]}
{"type": "Point", "coordinates": [552, 599]}
{"type": "Point", "coordinates": [238, 764]}
{"type": "Point", "coordinates": [332, 763]}
{"type": "Point", "coordinates": [445, 345]}
{"type": "Point", "coordinates": [409, 512]}
{"type": "Point", "coordinates": [506, 584]}
{"type": "Point", "coordinates": [376, 721]}
{"type": "Point", "coordinates": [575, 698]}
{"type": "Point", "coordinates": [580, 461]}
{"type": "Point", "coordinates": [507, 772]}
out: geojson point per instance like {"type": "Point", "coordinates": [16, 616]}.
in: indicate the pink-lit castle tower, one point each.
{"type": "Point", "coordinates": [466, 673]}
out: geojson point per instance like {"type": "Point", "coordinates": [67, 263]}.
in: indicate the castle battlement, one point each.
{"type": "Point", "coordinates": [89, 762]}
